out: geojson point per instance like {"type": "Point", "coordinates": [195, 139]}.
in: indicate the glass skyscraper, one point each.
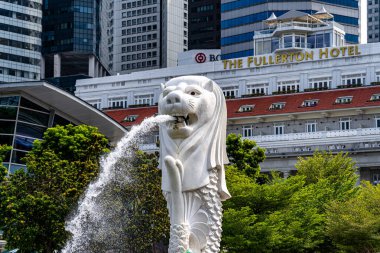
{"type": "Point", "coordinates": [241, 18]}
{"type": "Point", "coordinates": [71, 38]}
{"type": "Point", "coordinates": [20, 40]}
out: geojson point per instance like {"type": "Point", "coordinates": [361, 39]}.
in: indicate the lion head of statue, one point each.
{"type": "Point", "coordinates": [197, 136]}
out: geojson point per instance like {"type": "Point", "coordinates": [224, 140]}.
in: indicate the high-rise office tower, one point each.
{"type": "Point", "coordinates": [71, 41]}
{"type": "Point", "coordinates": [144, 34]}
{"type": "Point", "coordinates": [20, 43]}
{"type": "Point", "coordinates": [373, 21]}
{"type": "Point", "coordinates": [204, 24]}
{"type": "Point", "coordinates": [241, 18]}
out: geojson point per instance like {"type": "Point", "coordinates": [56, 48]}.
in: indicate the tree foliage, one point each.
{"type": "Point", "coordinates": [3, 170]}
{"type": "Point", "coordinates": [148, 222]}
{"type": "Point", "coordinates": [354, 224]}
{"type": "Point", "coordinates": [36, 201]}
{"type": "Point", "coordinates": [293, 214]}
{"type": "Point", "coordinates": [245, 154]}
{"type": "Point", "coordinates": [134, 215]}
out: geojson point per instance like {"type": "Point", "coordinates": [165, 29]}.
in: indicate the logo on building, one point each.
{"type": "Point", "coordinates": [200, 58]}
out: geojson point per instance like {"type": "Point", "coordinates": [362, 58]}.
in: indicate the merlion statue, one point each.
{"type": "Point", "coordinates": [192, 158]}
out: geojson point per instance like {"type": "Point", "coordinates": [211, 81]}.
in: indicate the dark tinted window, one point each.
{"type": "Point", "coordinates": [9, 100]}
{"type": "Point", "coordinates": [6, 139]}
{"type": "Point", "coordinates": [7, 127]}
{"type": "Point", "coordinates": [8, 112]}
{"type": "Point", "coordinates": [30, 130]}
{"type": "Point", "coordinates": [28, 104]}
{"type": "Point", "coordinates": [17, 156]}
{"type": "Point", "coordinates": [23, 143]}
{"type": "Point", "coordinates": [33, 117]}
{"type": "Point", "coordinates": [58, 120]}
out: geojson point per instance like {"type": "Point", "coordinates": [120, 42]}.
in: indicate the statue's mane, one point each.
{"type": "Point", "coordinates": [211, 135]}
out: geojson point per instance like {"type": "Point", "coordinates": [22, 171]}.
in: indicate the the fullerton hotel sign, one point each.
{"type": "Point", "coordinates": [291, 57]}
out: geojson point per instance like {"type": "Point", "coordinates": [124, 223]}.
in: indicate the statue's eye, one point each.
{"type": "Point", "coordinates": [193, 92]}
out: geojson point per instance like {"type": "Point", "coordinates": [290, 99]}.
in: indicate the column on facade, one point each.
{"type": "Point", "coordinates": [304, 82]}
{"type": "Point", "coordinates": [104, 101]}
{"type": "Point", "coordinates": [156, 95]}
{"type": "Point", "coordinates": [42, 67]}
{"type": "Point", "coordinates": [91, 66]}
{"type": "Point", "coordinates": [242, 87]}
{"type": "Point", "coordinates": [96, 68]}
{"type": "Point", "coordinates": [100, 70]}
{"type": "Point", "coordinates": [57, 65]}
{"type": "Point", "coordinates": [370, 75]}
{"type": "Point", "coordinates": [336, 78]}
{"type": "Point", "coordinates": [272, 84]}
{"type": "Point", "coordinates": [130, 98]}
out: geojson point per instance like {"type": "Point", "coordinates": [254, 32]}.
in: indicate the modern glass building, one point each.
{"type": "Point", "coordinates": [373, 21]}
{"type": "Point", "coordinates": [71, 38]}
{"type": "Point", "coordinates": [20, 40]}
{"type": "Point", "coordinates": [144, 34]}
{"type": "Point", "coordinates": [241, 18]}
{"type": "Point", "coordinates": [28, 109]}
{"type": "Point", "coordinates": [204, 24]}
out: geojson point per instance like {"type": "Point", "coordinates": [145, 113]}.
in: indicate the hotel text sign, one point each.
{"type": "Point", "coordinates": [290, 57]}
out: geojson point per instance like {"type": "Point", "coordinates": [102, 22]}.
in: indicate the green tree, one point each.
{"type": "Point", "coordinates": [287, 215]}
{"type": "Point", "coordinates": [3, 171]}
{"type": "Point", "coordinates": [148, 218]}
{"type": "Point", "coordinates": [36, 202]}
{"type": "Point", "coordinates": [133, 209]}
{"type": "Point", "coordinates": [245, 154]}
{"type": "Point", "coordinates": [339, 170]}
{"type": "Point", "coordinates": [354, 224]}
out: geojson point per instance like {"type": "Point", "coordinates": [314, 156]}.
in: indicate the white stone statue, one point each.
{"type": "Point", "coordinates": [192, 158]}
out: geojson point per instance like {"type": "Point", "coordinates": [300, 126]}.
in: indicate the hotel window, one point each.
{"type": "Point", "coordinates": [117, 102]}
{"type": "Point", "coordinates": [95, 103]}
{"type": "Point", "coordinates": [279, 129]}
{"type": "Point", "coordinates": [320, 83]}
{"type": "Point", "coordinates": [311, 126]}
{"type": "Point", "coordinates": [263, 46]}
{"type": "Point", "coordinates": [300, 41]}
{"type": "Point", "coordinates": [230, 92]}
{"type": "Point", "coordinates": [144, 99]}
{"type": "Point", "coordinates": [260, 88]}
{"type": "Point", "coordinates": [377, 76]}
{"type": "Point", "coordinates": [287, 41]}
{"type": "Point", "coordinates": [247, 131]}
{"type": "Point", "coordinates": [277, 106]}
{"type": "Point", "coordinates": [130, 118]}
{"type": "Point", "coordinates": [353, 79]}
{"type": "Point", "coordinates": [343, 100]}
{"type": "Point", "coordinates": [375, 97]}
{"type": "Point", "coordinates": [310, 102]}
{"type": "Point", "coordinates": [246, 108]}
{"type": "Point", "coordinates": [288, 86]}
{"type": "Point", "coordinates": [377, 122]}
{"type": "Point", "coordinates": [345, 123]}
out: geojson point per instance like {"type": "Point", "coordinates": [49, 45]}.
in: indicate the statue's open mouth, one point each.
{"type": "Point", "coordinates": [182, 120]}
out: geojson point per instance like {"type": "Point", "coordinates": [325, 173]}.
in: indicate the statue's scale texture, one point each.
{"type": "Point", "coordinates": [192, 158]}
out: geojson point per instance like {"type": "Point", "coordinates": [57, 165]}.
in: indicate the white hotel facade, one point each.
{"type": "Point", "coordinates": [292, 102]}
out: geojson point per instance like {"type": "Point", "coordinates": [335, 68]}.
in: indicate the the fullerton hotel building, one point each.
{"type": "Point", "coordinates": [303, 90]}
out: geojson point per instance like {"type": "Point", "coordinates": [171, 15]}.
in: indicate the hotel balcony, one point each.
{"type": "Point", "coordinates": [354, 140]}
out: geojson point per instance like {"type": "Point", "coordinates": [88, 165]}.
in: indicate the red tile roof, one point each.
{"type": "Point", "coordinates": [361, 98]}
{"type": "Point", "coordinates": [141, 112]}
{"type": "Point", "coordinates": [326, 101]}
